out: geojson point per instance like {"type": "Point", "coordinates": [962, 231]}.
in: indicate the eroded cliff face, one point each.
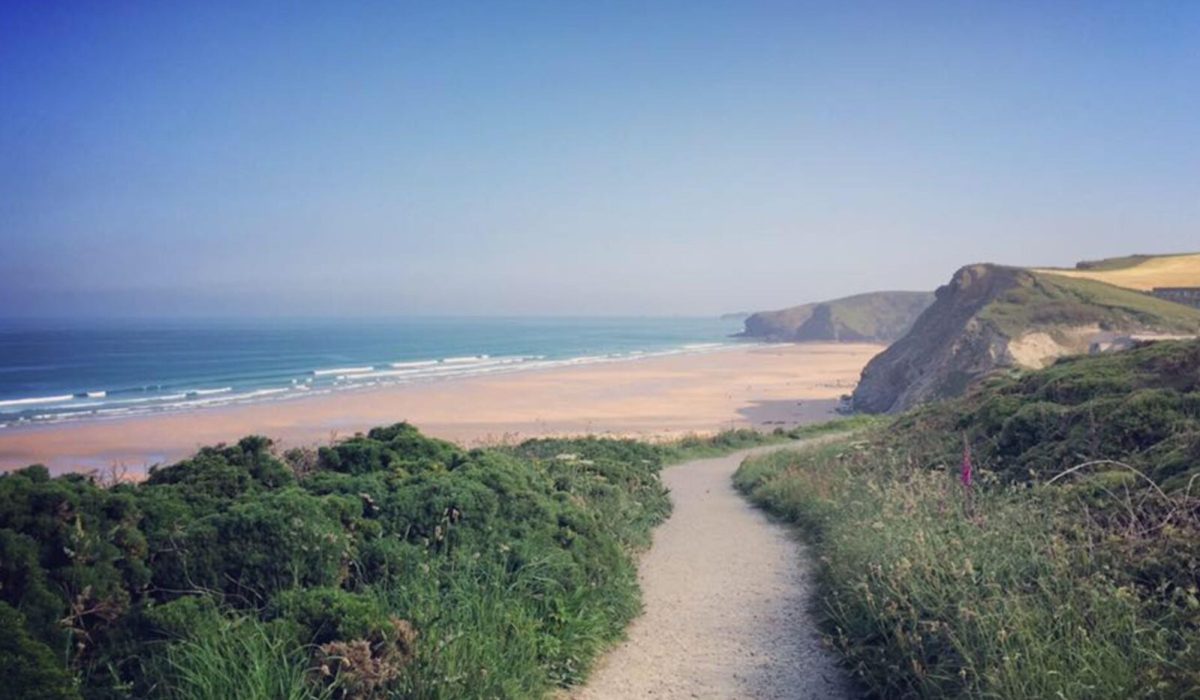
{"type": "Point", "coordinates": [991, 317]}
{"type": "Point", "coordinates": [947, 348]}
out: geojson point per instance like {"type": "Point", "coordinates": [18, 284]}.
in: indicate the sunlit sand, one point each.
{"type": "Point", "coordinates": [659, 397]}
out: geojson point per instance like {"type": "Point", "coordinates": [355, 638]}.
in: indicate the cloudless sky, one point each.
{"type": "Point", "coordinates": [578, 157]}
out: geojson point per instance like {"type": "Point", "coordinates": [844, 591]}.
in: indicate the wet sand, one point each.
{"type": "Point", "coordinates": [656, 398]}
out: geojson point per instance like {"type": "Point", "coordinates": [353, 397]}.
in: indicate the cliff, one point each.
{"type": "Point", "coordinates": [991, 317]}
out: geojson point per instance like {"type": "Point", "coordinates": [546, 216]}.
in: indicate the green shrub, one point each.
{"type": "Point", "coordinates": [389, 563]}
{"type": "Point", "coordinates": [330, 614]}
{"type": "Point", "coordinates": [1131, 406]}
{"type": "Point", "coordinates": [31, 670]}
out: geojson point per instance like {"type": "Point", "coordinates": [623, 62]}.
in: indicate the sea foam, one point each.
{"type": "Point", "coordinates": [37, 400]}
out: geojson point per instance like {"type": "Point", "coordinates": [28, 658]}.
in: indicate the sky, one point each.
{"type": "Point", "coordinates": [578, 158]}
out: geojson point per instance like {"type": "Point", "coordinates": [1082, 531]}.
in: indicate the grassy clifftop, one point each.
{"type": "Point", "coordinates": [1040, 300]}
{"type": "Point", "coordinates": [1142, 272]}
{"type": "Point", "coordinates": [1066, 567]}
{"type": "Point", "coordinates": [874, 317]}
{"type": "Point", "coordinates": [992, 317]}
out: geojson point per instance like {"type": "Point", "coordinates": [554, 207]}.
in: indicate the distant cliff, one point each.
{"type": "Point", "coordinates": [874, 317]}
{"type": "Point", "coordinates": [990, 317]}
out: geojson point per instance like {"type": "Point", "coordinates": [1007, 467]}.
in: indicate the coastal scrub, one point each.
{"type": "Point", "coordinates": [386, 565]}
{"type": "Point", "coordinates": [1058, 555]}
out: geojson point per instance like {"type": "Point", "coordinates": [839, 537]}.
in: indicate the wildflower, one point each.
{"type": "Point", "coordinates": [967, 468]}
{"type": "Point", "coordinates": [967, 477]}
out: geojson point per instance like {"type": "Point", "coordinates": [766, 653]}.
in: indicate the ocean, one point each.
{"type": "Point", "coordinates": [70, 370]}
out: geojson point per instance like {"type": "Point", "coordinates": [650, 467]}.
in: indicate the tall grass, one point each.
{"type": "Point", "coordinates": [491, 633]}
{"type": "Point", "coordinates": [238, 657]}
{"type": "Point", "coordinates": [727, 442]}
{"type": "Point", "coordinates": [1031, 594]}
{"type": "Point", "coordinates": [719, 444]}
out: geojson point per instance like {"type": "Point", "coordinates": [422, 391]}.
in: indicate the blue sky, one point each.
{"type": "Point", "coordinates": [578, 158]}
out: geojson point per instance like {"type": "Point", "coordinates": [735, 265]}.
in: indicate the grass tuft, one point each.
{"type": "Point", "coordinates": [238, 657]}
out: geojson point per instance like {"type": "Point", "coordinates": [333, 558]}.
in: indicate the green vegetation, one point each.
{"type": "Point", "coordinates": [1040, 301]}
{"type": "Point", "coordinates": [238, 657]}
{"type": "Point", "coordinates": [725, 442]}
{"type": "Point", "coordinates": [834, 427]}
{"type": "Point", "coordinates": [1119, 263]}
{"type": "Point", "coordinates": [729, 441]}
{"type": "Point", "coordinates": [387, 565]}
{"type": "Point", "coordinates": [1022, 585]}
{"type": "Point", "coordinates": [1140, 407]}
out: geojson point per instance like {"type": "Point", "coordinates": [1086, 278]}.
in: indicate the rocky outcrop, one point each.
{"type": "Point", "coordinates": [991, 317]}
{"type": "Point", "coordinates": [945, 349]}
{"type": "Point", "coordinates": [879, 317]}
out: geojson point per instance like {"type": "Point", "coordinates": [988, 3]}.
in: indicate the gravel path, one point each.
{"type": "Point", "coordinates": [726, 594]}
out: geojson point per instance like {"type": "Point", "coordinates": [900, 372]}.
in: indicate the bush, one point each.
{"type": "Point", "coordinates": [388, 563]}
{"type": "Point", "coordinates": [30, 669]}
{"type": "Point", "coordinates": [1131, 406]}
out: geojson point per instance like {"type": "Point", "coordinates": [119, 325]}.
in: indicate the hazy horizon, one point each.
{"type": "Point", "coordinates": [577, 160]}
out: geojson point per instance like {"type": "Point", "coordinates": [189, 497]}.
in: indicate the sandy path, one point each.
{"type": "Point", "coordinates": [726, 605]}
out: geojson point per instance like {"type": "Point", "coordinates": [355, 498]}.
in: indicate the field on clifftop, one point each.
{"type": "Point", "coordinates": [1142, 272]}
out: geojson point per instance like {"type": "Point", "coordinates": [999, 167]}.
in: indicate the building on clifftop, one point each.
{"type": "Point", "coordinates": [1180, 295]}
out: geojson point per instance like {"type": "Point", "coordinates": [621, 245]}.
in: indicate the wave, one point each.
{"type": "Point", "coordinates": [585, 360]}
{"type": "Point", "coordinates": [445, 368]}
{"type": "Point", "coordinates": [464, 360]}
{"type": "Point", "coordinates": [209, 392]}
{"type": "Point", "coordinates": [261, 392]}
{"type": "Point", "coordinates": [37, 400]}
{"type": "Point", "coordinates": [341, 370]}
{"type": "Point", "coordinates": [194, 400]}
{"type": "Point", "coordinates": [419, 363]}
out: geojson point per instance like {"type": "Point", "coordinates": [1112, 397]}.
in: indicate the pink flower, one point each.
{"type": "Point", "coordinates": [967, 469]}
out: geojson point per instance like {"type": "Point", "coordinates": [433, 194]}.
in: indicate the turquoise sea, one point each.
{"type": "Point", "coordinates": [69, 370]}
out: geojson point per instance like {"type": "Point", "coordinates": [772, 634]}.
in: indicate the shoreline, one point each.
{"type": "Point", "coordinates": [323, 381]}
{"type": "Point", "coordinates": [653, 397]}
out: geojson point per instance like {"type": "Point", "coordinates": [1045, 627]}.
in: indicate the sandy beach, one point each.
{"type": "Point", "coordinates": [656, 397]}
